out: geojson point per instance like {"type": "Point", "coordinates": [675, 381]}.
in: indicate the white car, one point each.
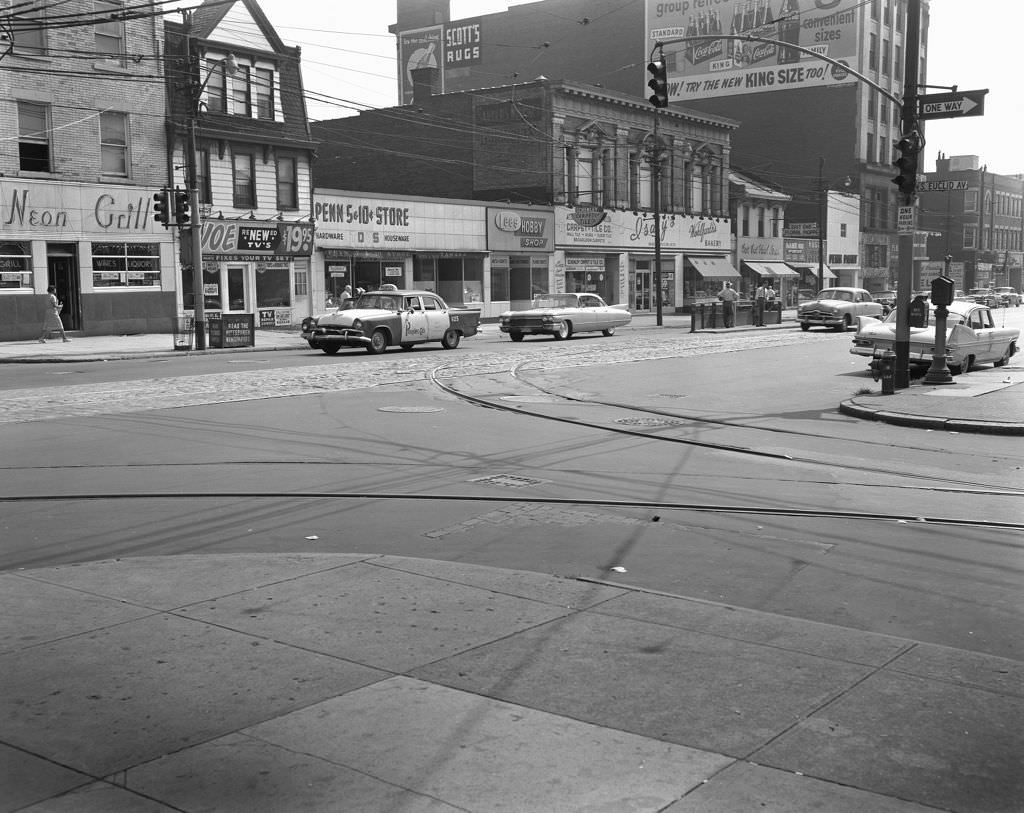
{"type": "Point", "coordinates": [971, 338]}
{"type": "Point", "coordinates": [562, 315]}
{"type": "Point", "coordinates": [838, 308]}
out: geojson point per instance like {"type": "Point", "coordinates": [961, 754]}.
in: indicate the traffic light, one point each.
{"type": "Point", "coordinates": [161, 207]}
{"type": "Point", "coordinates": [658, 83]}
{"type": "Point", "coordinates": [909, 147]}
{"type": "Point", "coordinates": [182, 210]}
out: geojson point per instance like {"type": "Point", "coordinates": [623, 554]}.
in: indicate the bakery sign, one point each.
{"type": "Point", "coordinates": [248, 240]}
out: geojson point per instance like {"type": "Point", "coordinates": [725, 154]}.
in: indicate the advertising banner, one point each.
{"type": "Point", "coordinates": [625, 231]}
{"type": "Point", "coordinates": [708, 68]}
{"type": "Point", "coordinates": [519, 230]}
{"type": "Point", "coordinates": [250, 240]}
{"type": "Point", "coordinates": [420, 48]}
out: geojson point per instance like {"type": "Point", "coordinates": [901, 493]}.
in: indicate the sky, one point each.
{"type": "Point", "coordinates": [348, 55]}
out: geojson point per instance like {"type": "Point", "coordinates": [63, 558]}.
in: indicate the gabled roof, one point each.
{"type": "Point", "coordinates": [209, 15]}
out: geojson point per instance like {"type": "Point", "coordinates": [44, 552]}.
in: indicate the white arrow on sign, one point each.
{"type": "Point", "coordinates": [961, 106]}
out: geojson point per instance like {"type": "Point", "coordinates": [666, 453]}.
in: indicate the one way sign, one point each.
{"type": "Point", "coordinates": [955, 105]}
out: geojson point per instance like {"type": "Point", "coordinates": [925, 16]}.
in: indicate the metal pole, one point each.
{"type": "Point", "coordinates": [195, 230]}
{"type": "Point", "coordinates": [656, 189]}
{"type": "Point", "coordinates": [821, 225]}
{"type": "Point", "coordinates": [905, 278]}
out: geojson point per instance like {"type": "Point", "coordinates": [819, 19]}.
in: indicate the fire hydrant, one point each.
{"type": "Point", "coordinates": [883, 366]}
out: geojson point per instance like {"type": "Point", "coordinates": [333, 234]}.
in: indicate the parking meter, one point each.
{"type": "Point", "coordinates": [918, 312]}
{"type": "Point", "coordinates": [942, 291]}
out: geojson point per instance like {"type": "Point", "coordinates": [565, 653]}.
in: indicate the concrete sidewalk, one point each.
{"type": "Point", "coordinates": [378, 683]}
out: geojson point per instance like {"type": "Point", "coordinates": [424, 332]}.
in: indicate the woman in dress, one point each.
{"type": "Point", "coordinates": [51, 321]}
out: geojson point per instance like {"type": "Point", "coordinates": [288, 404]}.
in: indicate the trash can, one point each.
{"type": "Point", "coordinates": [183, 328]}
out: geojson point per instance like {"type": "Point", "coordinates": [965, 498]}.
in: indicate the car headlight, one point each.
{"type": "Point", "coordinates": [357, 324]}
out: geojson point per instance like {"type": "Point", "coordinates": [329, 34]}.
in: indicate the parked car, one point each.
{"type": "Point", "coordinates": [1008, 297]}
{"type": "Point", "coordinates": [887, 299]}
{"type": "Point", "coordinates": [562, 315]}
{"type": "Point", "coordinates": [984, 296]}
{"type": "Point", "coordinates": [838, 308]}
{"type": "Point", "coordinates": [971, 338]}
{"type": "Point", "coordinates": [960, 294]}
{"type": "Point", "coordinates": [377, 320]}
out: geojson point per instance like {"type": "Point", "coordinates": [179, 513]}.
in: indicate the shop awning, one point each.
{"type": "Point", "coordinates": [813, 269]}
{"type": "Point", "coordinates": [713, 267]}
{"type": "Point", "coordinates": [771, 269]}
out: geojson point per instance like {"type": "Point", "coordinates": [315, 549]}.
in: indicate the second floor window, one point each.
{"type": "Point", "coordinates": [244, 167]}
{"type": "Point", "coordinates": [263, 93]}
{"type": "Point", "coordinates": [28, 40]}
{"type": "Point", "coordinates": [287, 186]}
{"type": "Point", "coordinates": [203, 175]}
{"type": "Point", "coordinates": [640, 191]}
{"type": "Point", "coordinates": [114, 143]}
{"type": "Point", "coordinates": [33, 137]}
{"type": "Point", "coordinates": [240, 96]}
{"type": "Point", "coordinates": [110, 32]}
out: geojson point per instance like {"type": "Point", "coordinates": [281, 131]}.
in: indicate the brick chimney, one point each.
{"type": "Point", "coordinates": [424, 84]}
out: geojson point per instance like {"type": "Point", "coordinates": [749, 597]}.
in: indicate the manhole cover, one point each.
{"type": "Point", "coordinates": [508, 481]}
{"type": "Point", "coordinates": [648, 421]}
{"type": "Point", "coordinates": [409, 409]}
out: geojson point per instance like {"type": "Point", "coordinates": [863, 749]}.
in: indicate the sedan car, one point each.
{"type": "Point", "coordinates": [984, 296]}
{"type": "Point", "coordinates": [887, 299]}
{"type": "Point", "coordinates": [562, 315]}
{"type": "Point", "coordinates": [971, 338]}
{"type": "Point", "coordinates": [838, 308]}
{"type": "Point", "coordinates": [380, 319]}
{"type": "Point", "coordinates": [1008, 297]}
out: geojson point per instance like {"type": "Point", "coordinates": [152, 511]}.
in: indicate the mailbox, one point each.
{"type": "Point", "coordinates": [917, 314]}
{"type": "Point", "coordinates": [942, 291]}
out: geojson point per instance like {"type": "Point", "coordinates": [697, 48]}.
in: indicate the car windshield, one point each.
{"type": "Point", "coordinates": [384, 302]}
{"type": "Point", "coordinates": [835, 293]}
{"type": "Point", "coordinates": [555, 301]}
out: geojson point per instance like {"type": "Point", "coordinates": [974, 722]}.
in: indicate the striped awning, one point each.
{"type": "Point", "coordinates": [713, 267]}
{"type": "Point", "coordinates": [771, 269]}
{"type": "Point", "coordinates": [813, 269]}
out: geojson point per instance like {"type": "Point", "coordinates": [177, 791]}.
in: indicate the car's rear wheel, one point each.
{"type": "Point", "coordinates": [966, 365]}
{"type": "Point", "coordinates": [608, 331]}
{"type": "Point", "coordinates": [805, 326]}
{"type": "Point", "coordinates": [450, 339]}
{"type": "Point", "coordinates": [407, 345]}
{"type": "Point", "coordinates": [331, 349]}
{"type": "Point", "coordinates": [563, 330]}
{"type": "Point", "coordinates": [515, 336]}
{"type": "Point", "coordinates": [1011, 348]}
{"type": "Point", "coordinates": [378, 342]}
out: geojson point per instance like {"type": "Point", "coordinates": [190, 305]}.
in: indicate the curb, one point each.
{"type": "Point", "coordinates": [855, 410]}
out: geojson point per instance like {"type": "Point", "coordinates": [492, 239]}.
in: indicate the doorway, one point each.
{"type": "Point", "coordinates": [62, 274]}
{"type": "Point", "coordinates": [642, 287]}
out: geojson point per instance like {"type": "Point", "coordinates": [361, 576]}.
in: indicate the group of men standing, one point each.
{"type": "Point", "coordinates": [764, 298]}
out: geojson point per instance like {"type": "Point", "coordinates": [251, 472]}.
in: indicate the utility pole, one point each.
{"type": "Point", "coordinates": [656, 190]}
{"type": "Point", "coordinates": [195, 230]}
{"type": "Point", "coordinates": [821, 224]}
{"type": "Point", "coordinates": [911, 145]}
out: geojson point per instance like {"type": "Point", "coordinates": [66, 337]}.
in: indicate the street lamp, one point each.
{"type": "Point", "coordinates": [196, 88]}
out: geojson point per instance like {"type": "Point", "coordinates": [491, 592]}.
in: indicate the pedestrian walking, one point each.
{"type": "Point", "coordinates": [728, 296]}
{"type": "Point", "coordinates": [759, 297]}
{"type": "Point", "coordinates": [51, 321]}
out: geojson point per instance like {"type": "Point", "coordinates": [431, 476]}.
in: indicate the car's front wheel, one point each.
{"type": "Point", "coordinates": [845, 326]}
{"type": "Point", "coordinates": [563, 330]}
{"type": "Point", "coordinates": [450, 339]}
{"type": "Point", "coordinates": [378, 342]}
{"type": "Point", "coordinates": [331, 349]}
{"type": "Point", "coordinates": [805, 326]}
{"type": "Point", "coordinates": [608, 331]}
{"type": "Point", "coordinates": [515, 336]}
{"type": "Point", "coordinates": [963, 367]}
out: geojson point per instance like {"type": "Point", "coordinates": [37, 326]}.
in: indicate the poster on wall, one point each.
{"type": "Point", "coordinates": [420, 48]}
{"type": "Point", "coordinates": [706, 68]}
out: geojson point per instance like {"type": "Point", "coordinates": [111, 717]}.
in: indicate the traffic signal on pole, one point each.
{"type": "Point", "coordinates": [909, 147]}
{"type": "Point", "coordinates": [182, 209]}
{"type": "Point", "coordinates": [658, 83]}
{"type": "Point", "coordinates": [161, 207]}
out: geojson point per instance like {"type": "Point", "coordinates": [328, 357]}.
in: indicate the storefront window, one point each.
{"type": "Point", "coordinates": [15, 266]}
{"type": "Point", "coordinates": [499, 279]}
{"type": "Point", "coordinates": [119, 265]}
{"type": "Point", "coordinates": [424, 273]}
{"type": "Point", "coordinates": [273, 285]}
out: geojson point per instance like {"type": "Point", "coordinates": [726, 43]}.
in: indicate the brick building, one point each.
{"type": "Point", "coordinates": [976, 218]}
{"type": "Point", "coordinates": [81, 119]}
{"type": "Point", "coordinates": [582, 151]}
{"type": "Point", "coordinates": [805, 125]}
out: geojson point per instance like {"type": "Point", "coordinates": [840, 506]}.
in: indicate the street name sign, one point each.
{"type": "Point", "coordinates": [955, 105]}
{"type": "Point", "coordinates": [942, 186]}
